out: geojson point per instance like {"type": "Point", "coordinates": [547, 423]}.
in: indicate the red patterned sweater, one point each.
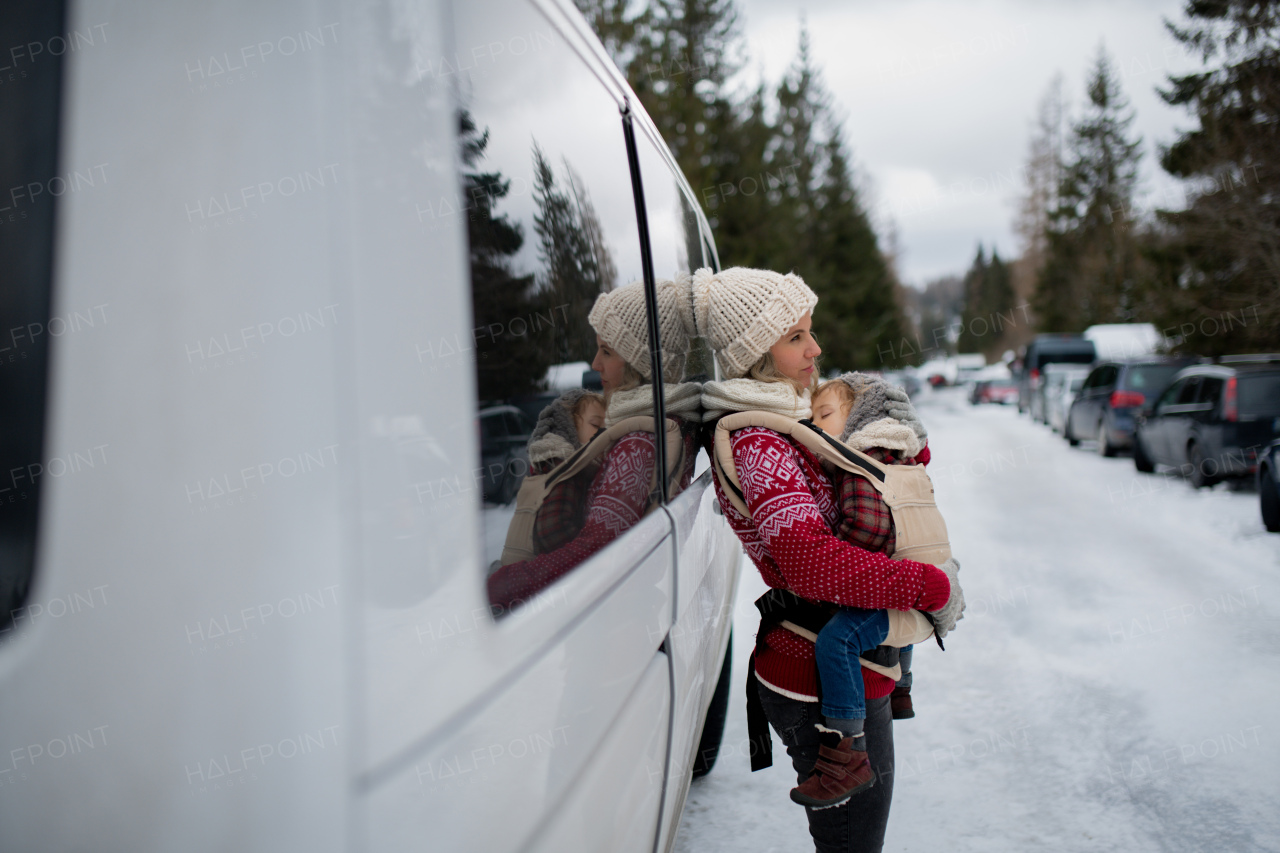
{"type": "Point", "coordinates": [618, 497]}
{"type": "Point", "coordinates": [789, 538]}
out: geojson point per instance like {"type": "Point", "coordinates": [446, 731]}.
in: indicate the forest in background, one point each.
{"type": "Point", "coordinates": [775, 175]}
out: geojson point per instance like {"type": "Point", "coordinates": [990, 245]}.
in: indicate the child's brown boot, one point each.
{"type": "Point", "coordinates": [840, 772]}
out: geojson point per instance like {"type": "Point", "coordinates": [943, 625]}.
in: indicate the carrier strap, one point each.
{"type": "Point", "coordinates": [906, 489]}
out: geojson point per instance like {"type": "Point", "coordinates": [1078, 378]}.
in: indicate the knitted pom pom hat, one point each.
{"type": "Point", "coordinates": [743, 312]}
{"type": "Point", "coordinates": [619, 318]}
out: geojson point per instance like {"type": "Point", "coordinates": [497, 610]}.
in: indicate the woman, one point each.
{"type": "Point", "coordinates": [620, 492]}
{"type": "Point", "coordinates": [759, 325]}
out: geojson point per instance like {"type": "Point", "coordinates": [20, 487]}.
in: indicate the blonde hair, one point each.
{"type": "Point", "coordinates": [766, 370]}
{"type": "Point", "coordinates": [841, 389]}
{"type": "Point", "coordinates": [580, 407]}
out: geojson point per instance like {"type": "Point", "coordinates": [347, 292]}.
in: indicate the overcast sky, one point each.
{"type": "Point", "coordinates": [939, 97]}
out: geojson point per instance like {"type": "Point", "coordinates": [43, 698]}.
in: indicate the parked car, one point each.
{"type": "Point", "coordinates": [994, 391]}
{"type": "Point", "coordinates": [1047, 349]}
{"type": "Point", "coordinates": [1062, 382]}
{"type": "Point", "coordinates": [504, 461]}
{"type": "Point", "coordinates": [1269, 486]}
{"type": "Point", "coordinates": [1115, 392]}
{"type": "Point", "coordinates": [904, 380]}
{"type": "Point", "coordinates": [244, 572]}
{"type": "Point", "coordinates": [1214, 419]}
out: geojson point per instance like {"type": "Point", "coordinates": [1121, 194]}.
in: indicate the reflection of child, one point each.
{"type": "Point", "coordinates": [588, 416]}
{"type": "Point", "coordinates": [565, 425]}
{"type": "Point", "coordinates": [865, 522]}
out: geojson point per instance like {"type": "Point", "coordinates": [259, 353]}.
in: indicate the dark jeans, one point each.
{"type": "Point", "coordinates": [858, 825]}
{"type": "Point", "coordinates": [850, 633]}
{"type": "Point", "coordinates": [904, 659]}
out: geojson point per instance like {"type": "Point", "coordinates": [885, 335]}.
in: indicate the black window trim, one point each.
{"type": "Point", "coordinates": [650, 296]}
{"type": "Point", "coordinates": [31, 135]}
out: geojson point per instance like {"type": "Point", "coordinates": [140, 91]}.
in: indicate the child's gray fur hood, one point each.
{"type": "Point", "coordinates": [555, 436]}
{"type": "Point", "coordinates": [869, 424]}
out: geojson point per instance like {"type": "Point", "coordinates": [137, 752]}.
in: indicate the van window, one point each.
{"type": "Point", "coordinates": [546, 193]}
{"type": "Point", "coordinates": [1082, 353]}
{"type": "Point", "coordinates": [30, 102]}
{"type": "Point", "coordinates": [675, 238]}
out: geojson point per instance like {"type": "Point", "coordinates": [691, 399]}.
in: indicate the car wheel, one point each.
{"type": "Point", "coordinates": [1105, 447]}
{"type": "Point", "coordinates": [1068, 434]}
{"type": "Point", "coordinates": [1198, 476]}
{"type": "Point", "coordinates": [717, 713]}
{"type": "Point", "coordinates": [1269, 498]}
{"type": "Point", "coordinates": [1141, 460]}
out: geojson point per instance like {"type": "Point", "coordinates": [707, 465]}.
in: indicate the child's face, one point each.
{"type": "Point", "coordinates": [589, 420]}
{"type": "Point", "coordinates": [830, 412]}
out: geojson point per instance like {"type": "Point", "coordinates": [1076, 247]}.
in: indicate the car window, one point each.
{"type": "Point", "coordinates": [1150, 378]}
{"type": "Point", "coordinates": [1171, 393]}
{"type": "Point", "coordinates": [1258, 394]}
{"type": "Point", "coordinates": [1210, 390]}
{"type": "Point", "coordinates": [1073, 356]}
{"type": "Point", "coordinates": [1189, 389]}
{"type": "Point", "coordinates": [676, 239]}
{"type": "Point", "coordinates": [547, 199]}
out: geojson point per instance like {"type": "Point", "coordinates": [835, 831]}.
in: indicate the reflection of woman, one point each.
{"type": "Point", "coordinates": [622, 489]}
{"type": "Point", "coordinates": [758, 323]}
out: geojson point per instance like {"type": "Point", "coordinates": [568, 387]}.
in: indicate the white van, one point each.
{"type": "Point", "coordinates": [276, 258]}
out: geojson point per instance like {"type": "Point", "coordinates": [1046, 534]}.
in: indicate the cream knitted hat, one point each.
{"type": "Point", "coordinates": [743, 312]}
{"type": "Point", "coordinates": [619, 318]}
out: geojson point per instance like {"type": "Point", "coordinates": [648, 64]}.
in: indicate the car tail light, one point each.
{"type": "Point", "coordinates": [1120, 399]}
{"type": "Point", "coordinates": [1230, 409]}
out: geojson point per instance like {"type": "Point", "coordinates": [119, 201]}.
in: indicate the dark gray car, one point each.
{"type": "Point", "coordinates": [1114, 394]}
{"type": "Point", "coordinates": [1214, 420]}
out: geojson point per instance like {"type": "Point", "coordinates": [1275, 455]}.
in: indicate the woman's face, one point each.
{"type": "Point", "coordinates": [609, 364]}
{"type": "Point", "coordinates": [795, 351]}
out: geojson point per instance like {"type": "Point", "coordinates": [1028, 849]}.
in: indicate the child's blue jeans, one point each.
{"type": "Point", "coordinates": [850, 633]}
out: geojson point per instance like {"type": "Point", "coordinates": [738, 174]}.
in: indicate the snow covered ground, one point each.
{"type": "Point", "coordinates": [1113, 686]}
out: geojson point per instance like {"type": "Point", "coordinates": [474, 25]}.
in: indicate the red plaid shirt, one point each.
{"type": "Point", "coordinates": [865, 519]}
{"type": "Point", "coordinates": [563, 512]}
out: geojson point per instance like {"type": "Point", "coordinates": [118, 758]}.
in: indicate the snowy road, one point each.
{"type": "Point", "coordinates": [1114, 685]}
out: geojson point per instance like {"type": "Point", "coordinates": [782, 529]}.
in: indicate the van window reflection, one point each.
{"type": "Point", "coordinates": [580, 496]}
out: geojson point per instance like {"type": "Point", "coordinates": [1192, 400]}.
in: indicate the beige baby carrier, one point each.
{"type": "Point", "coordinates": [535, 488]}
{"type": "Point", "coordinates": [920, 532]}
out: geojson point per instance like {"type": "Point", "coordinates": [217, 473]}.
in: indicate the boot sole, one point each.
{"type": "Point", "coordinates": [903, 715]}
{"type": "Point", "coordinates": [813, 802]}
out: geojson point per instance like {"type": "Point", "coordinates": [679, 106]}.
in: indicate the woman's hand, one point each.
{"type": "Point", "coordinates": [946, 617]}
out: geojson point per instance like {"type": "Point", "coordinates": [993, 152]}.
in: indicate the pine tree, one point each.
{"type": "Point", "coordinates": [507, 363]}
{"type": "Point", "coordinates": [685, 53]}
{"type": "Point", "coordinates": [1092, 270]}
{"type": "Point", "coordinates": [1220, 258]}
{"type": "Point", "coordinates": [989, 304]}
{"type": "Point", "coordinates": [577, 266]}
{"type": "Point", "coordinates": [859, 318]}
